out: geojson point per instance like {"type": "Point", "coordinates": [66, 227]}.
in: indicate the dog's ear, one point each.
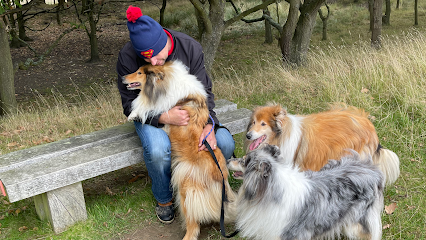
{"type": "Point", "coordinates": [161, 75]}
{"type": "Point", "coordinates": [264, 168]}
{"type": "Point", "coordinates": [279, 115]}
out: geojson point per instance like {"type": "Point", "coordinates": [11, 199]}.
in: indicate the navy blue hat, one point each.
{"type": "Point", "coordinates": [147, 35]}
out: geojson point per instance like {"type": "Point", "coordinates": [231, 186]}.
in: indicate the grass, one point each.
{"type": "Point", "coordinates": [389, 83]}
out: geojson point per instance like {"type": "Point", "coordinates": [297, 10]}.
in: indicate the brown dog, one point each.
{"type": "Point", "coordinates": [197, 181]}
{"type": "Point", "coordinates": [309, 141]}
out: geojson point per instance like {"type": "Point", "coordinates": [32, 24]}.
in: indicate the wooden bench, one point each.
{"type": "Point", "coordinates": [52, 173]}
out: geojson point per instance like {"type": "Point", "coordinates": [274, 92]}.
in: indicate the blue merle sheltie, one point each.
{"type": "Point", "coordinates": [277, 201]}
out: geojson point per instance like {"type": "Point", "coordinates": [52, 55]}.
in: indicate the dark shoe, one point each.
{"type": "Point", "coordinates": [166, 214]}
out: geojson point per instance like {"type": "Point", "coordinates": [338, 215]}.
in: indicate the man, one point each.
{"type": "Point", "coordinates": [152, 44]}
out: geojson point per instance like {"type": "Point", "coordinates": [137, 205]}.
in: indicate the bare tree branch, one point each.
{"type": "Point", "coordinates": [247, 12]}
{"type": "Point", "coordinates": [273, 23]}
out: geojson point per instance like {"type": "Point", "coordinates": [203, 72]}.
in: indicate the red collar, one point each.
{"type": "Point", "coordinates": [171, 40]}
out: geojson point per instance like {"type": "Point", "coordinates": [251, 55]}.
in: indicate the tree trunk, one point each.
{"type": "Point", "coordinates": [210, 39]}
{"type": "Point", "coordinates": [386, 17]}
{"type": "Point", "coordinates": [162, 10]}
{"type": "Point", "coordinates": [288, 30]}
{"type": "Point", "coordinates": [397, 4]}
{"type": "Point", "coordinates": [371, 11]}
{"type": "Point", "coordinates": [94, 49]}
{"type": "Point", "coordinates": [8, 103]}
{"type": "Point", "coordinates": [58, 11]}
{"type": "Point", "coordinates": [21, 27]}
{"type": "Point", "coordinates": [377, 24]}
{"type": "Point", "coordinates": [268, 28]}
{"type": "Point", "coordinates": [416, 13]}
{"type": "Point", "coordinates": [299, 44]}
{"type": "Point", "coordinates": [324, 19]}
{"type": "Point", "coordinates": [14, 43]}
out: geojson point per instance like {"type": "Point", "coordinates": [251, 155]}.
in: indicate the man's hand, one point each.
{"type": "Point", "coordinates": [175, 116]}
{"type": "Point", "coordinates": [211, 139]}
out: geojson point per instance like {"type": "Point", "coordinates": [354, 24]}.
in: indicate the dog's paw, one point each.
{"type": "Point", "coordinates": [132, 116]}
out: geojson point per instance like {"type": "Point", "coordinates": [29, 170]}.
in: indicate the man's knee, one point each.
{"type": "Point", "coordinates": [157, 152]}
{"type": "Point", "coordinates": [225, 142]}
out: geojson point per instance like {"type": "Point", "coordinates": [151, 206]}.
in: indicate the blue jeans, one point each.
{"type": "Point", "coordinates": [156, 154]}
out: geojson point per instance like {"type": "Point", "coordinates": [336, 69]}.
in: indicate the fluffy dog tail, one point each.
{"type": "Point", "coordinates": [388, 163]}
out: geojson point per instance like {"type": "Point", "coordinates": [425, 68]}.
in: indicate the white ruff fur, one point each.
{"type": "Point", "coordinates": [180, 84]}
{"type": "Point", "coordinates": [289, 145]}
{"type": "Point", "coordinates": [295, 187]}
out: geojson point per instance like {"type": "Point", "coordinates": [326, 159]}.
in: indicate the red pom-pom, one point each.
{"type": "Point", "coordinates": [133, 13]}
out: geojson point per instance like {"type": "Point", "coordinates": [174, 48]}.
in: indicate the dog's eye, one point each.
{"type": "Point", "coordinates": [263, 124]}
{"type": "Point", "coordinates": [139, 73]}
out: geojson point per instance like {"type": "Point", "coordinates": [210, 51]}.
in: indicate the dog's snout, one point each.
{"type": "Point", "coordinates": [248, 136]}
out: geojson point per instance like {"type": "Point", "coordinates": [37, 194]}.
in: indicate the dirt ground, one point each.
{"type": "Point", "coordinates": [67, 66]}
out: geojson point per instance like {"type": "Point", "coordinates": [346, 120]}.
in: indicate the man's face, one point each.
{"type": "Point", "coordinates": [160, 58]}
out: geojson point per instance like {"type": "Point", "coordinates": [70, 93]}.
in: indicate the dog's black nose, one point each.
{"type": "Point", "coordinates": [248, 136]}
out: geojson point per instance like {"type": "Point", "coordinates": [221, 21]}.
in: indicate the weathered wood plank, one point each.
{"type": "Point", "coordinates": [236, 121]}
{"type": "Point", "coordinates": [62, 207]}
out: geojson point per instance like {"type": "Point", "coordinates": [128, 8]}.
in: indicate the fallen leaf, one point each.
{"type": "Point", "coordinates": [47, 139]}
{"type": "Point", "coordinates": [12, 144]}
{"type": "Point", "coordinates": [128, 211]}
{"type": "Point", "coordinates": [17, 211]}
{"type": "Point", "coordinates": [17, 132]}
{"type": "Point", "coordinates": [105, 224]}
{"type": "Point", "coordinates": [386, 226]}
{"type": "Point", "coordinates": [37, 142]}
{"type": "Point", "coordinates": [23, 228]}
{"type": "Point", "coordinates": [364, 90]}
{"type": "Point", "coordinates": [35, 229]}
{"type": "Point", "coordinates": [136, 178]}
{"type": "Point", "coordinates": [109, 191]}
{"type": "Point", "coordinates": [390, 208]}
{"type": "Point", "coordinates": [411, 207]}
{"type": "Point", "coordinates": [68, 132]}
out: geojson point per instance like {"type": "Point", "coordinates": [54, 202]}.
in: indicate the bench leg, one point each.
{"type": "Point", "coordinates": [62, 207]}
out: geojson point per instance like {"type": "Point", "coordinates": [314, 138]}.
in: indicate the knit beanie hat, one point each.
{"type": "Point", "coordinates": [146, 34]}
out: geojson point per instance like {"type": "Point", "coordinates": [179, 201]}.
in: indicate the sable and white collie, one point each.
{"type": "Point", "coordinates": [196, 179]}
{"type": "Point", "coordinates": [309, 141]}
{"type": "Point", "coordinates": [277, 201]}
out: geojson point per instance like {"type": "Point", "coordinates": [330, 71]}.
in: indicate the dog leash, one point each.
{"type": "Point", "coordinates": [224, 197]}
{"type": "Point", "coordinates": [204, 140]}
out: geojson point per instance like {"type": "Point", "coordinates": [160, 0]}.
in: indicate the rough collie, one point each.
{"type": "Point", "coordinates": [196, 179]}
{"type": "Point", "coordinates": [277, 201]}
{"type": "Point", "coordinates": [309, 141]}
